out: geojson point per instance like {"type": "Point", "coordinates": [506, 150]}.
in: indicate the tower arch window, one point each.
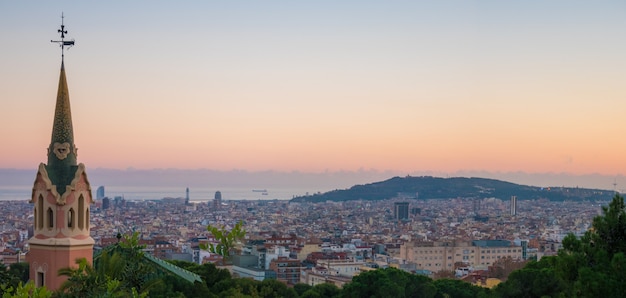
{"type": "Point", "coordinates": [50, 218]}
{"type": "Point", "coordinates": [81, 212]}
{"type": "Point", "coordinates": [70, 218]}
{"type": "Point", "coordinates": [41, 212]}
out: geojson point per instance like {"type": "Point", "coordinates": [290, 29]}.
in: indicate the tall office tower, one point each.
{"type": "Point", "coordinates": [106, 203]}
{"type": "Point", "coordinates": [476, 205]}
{"type": "Point", "coordinates": [61, 197]}
{"type": "Point", "coordinates": [401, 210]}
{"type": "Point", "coordinates": [187, 196]}
{"type": "Point", "coordinates": [100, 193]}
{"type": "Point", "coordinates": [513, 205]}
{"type": "Point", "coordinates": [217, 201]}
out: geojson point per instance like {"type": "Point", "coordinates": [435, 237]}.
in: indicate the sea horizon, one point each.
{"type": "Point", "coordinates": [197, 194]}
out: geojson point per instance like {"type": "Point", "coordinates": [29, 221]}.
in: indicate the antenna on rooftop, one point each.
{"type": "Point", "coordinates": [63, 43]}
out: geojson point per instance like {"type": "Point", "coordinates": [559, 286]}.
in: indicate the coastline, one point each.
{"type": "Point", "coordinates": [11, 193]}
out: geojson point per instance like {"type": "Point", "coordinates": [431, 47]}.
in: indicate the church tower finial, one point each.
{"type": "Point", "coordinates": [63, 43]}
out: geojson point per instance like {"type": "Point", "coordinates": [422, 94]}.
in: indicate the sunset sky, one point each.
{"type": "Point", "coordinates": [314, 86]}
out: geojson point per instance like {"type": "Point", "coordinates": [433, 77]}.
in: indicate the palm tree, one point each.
{"type": "Point", "coordinates": [120, 270]}
{"type": "Point", "coordinates": [228, 241]}
{"type": "Point", "coordinates": [82, 281]}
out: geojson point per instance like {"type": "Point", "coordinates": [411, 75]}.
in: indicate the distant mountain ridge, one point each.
{"type": "Point", "coordinates": [428, 187]}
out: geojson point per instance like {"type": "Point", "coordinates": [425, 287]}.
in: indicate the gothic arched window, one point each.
{"type": "Point", "coordinates": [41, 212]}
{"type": "Point", "coordinates": [50, 218]}
{"type": "Point", "coordinates": [81, 212]}
{"type": "Point", "coordinates": [70, 218]}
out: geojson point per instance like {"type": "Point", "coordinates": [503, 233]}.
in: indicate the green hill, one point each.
{"type": "Point", "coordinates": [427, 187]}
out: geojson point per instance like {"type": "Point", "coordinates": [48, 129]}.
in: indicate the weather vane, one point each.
{"type": "Point", "coordinates": [63, 43]}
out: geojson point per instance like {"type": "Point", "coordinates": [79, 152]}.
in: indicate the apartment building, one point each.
{"type": "Point", "coordinates": [320, 275]}
{"type": "Point", "coordinates": [437, 256]}
{"type": "Point", "coordinates": [341, 267]}
{"type": "Point", "coordinates": [287, 270]}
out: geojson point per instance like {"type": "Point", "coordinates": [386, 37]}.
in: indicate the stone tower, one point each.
{"type": "Point", "coordinates": [62, 198]}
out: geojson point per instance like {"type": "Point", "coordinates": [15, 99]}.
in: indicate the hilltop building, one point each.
{"type": "Point", "coordinates": [61, 197]}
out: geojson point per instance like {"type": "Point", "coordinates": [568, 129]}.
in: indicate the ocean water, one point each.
{"type": "Point", "coordinates": [154, 193]}
{"type": "Point", "coordinates": [15, 193]}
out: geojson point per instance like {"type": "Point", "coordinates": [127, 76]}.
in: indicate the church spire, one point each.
{"type": "Point", "coordinates": [61, 199]}
{"type": "Point", "coordinates": [62, 151]}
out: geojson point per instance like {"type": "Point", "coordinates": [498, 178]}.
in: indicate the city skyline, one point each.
{"type": "Point", "coordinates": [404, 87]}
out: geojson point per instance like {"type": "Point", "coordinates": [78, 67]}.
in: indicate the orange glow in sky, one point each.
{"type": "Point", "coordinates": [537, 86]}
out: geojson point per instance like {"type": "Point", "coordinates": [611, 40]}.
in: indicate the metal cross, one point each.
{"type": "Point", "coordinates": [62, 43]}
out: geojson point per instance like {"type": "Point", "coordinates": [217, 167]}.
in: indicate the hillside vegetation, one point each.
{"type": "Point", "coordinates": [428, 187]}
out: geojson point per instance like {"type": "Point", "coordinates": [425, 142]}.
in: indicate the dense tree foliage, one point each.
{"type": "Point", "coordinates": [443, 188]}
{"type": "Point", "coordinates": [5, 278]}
{"type": "Point", "coordinates": [300, 288]}
{"type": "Point", "coordinates": [537, 279]}
{"type": "Point", "coordinates": [322, 290]}
{"type": "Point", "coordinates": [458, 289]}
{"type": "Point", "coordinates": [389, 282]}
{"type": "Point", "coordinates": [14, 278]}
{"type": "Point", "coordinates": [19, 272]}
{"type": "Point", "coordinates": [26, 290]}
{"type": "Point", "coordinates": [14, 283]}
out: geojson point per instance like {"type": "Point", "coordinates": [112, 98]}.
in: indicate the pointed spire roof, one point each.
{"type": "Point", "coordinates": [62, 130]}
{"type": "Point", "coordinates": [62, 151]}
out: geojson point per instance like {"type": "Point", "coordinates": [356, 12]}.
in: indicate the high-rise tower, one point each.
{"type": "Point", "coordinates": [100, 193]}
{"type": "Point", "coordinates": [61, 197]}
{"type": "Point", "coordinates": [217, 201]}
{"type": "Point", "coordinates": [513, 206]}
{"type": "Point", "coordinates": [401, 210]}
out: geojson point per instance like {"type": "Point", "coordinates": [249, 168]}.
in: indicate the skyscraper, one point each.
{"type": "Point", "coordinates": [61, 197]}
{"type": "Point", "coordinates": [476, 205]}
{"type": "Point", "coordinates": [106, 203]}
{"type": "Point", "coordinates": [100, 193]}
{"type": "Point", "coordinates": [513, 205]}
{"type": "Point", "coordinates": [401, 210]}
{"type": "Point", "coordinates": [187, 196]}
{"type": "Point", "coordinates": [217, 202]}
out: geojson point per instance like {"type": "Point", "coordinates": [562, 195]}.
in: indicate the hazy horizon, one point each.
{"type": "Point", "coordinates": [320, 181]}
